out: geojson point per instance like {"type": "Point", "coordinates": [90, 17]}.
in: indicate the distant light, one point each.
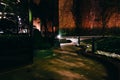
{"type": "Point", "coordinates": [19, 19]}
{"type": "Point", "coordinates": [3, 3]}
{"type": "Point", "coordinates": [1, 32]}
{"type": "Point", "coordinates": [18, 0]}
{"type": "Point", "coordinates": [0, 17]}
{"type": "Point", "coordinates": [11, 13]}
{"type": "Point", "coordinates": [4, 17]}
{"type": "Point", "coordinates": [59, 36]}
{"type": "Point", "coordinates": [5, 13]}
{"type": "Point", "coordinates": [24, 30]}
{"type": "Point", "coordinates": [30, 15]}
{"type": "Point", "coordinates": [88, 46]}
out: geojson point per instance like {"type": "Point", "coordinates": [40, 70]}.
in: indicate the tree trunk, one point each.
{"type": "Point", "coordinates": [103, 27]}
{"type": "Point", "coordinates": [77, 13]}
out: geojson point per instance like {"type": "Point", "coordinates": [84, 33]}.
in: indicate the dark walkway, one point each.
{"type": "Point", "coordinates": [60, 64]}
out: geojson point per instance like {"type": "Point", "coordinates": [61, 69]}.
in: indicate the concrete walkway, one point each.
{"type": "Point", "coordinates": [59, 64]}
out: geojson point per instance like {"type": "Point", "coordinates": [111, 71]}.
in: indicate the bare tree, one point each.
{"type": "Point", "coordinates": [77, 10]}
{"type": "Point", "coordinates": [108, 7]}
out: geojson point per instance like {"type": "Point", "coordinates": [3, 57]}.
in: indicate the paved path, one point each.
{"type": "Point", "coordinates": [63, 64]}
{"type": "Point", "coordinates": [67, 65]}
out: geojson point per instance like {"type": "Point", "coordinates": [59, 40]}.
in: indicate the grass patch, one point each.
{"type": "Point", "coordinates": [108, 44]}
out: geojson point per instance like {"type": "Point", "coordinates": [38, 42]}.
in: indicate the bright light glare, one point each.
{"type": "Point", "coordinates": [4, 17]}
{"type": "Point", "coordinates": [1, 32]}
{"type": "Point", "coordinates": [88, 46]}
{"type": "Point", "coordinates": [19, 19]}
{"type": "Point", "coordinates": [59, 36]}
{"type": "Point", "coordinates": [3, 3]}
{"type": "Point", "coordinates": [18, 0]}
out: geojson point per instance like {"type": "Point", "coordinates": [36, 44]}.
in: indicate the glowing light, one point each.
{"type": "Point", "coordinates": [88, 46]}
{"type": "Point", "coordinates": [59, 36]}
{"type": "Point", "coordinates": [3, 3]}
{"type": "Point", "coordinates": [37, 23]}
{"type": "Point", "coordinates": [19, 19]}
{"type": "Point", "coordinates": [30, 16]}
{"type": "Point", "coordinates": [5, 13]}
{"type": "Point", "coordinates": [0, 13]}
{"type": "Point", "coordinates": [4, 17]}
{"type": "Point", "coordinates": [1, 32]}
{"type": "Point", "coordinates": [18, 0]}
{"type": "Point", "coordinates": [54, 29]}
{"type": "Point", "coordinates": [11, 13]}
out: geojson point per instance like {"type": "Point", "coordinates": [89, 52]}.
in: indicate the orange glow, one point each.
{"type": "Point", "coordinates": [91, 18]}
{"type": "Point", "coordinates": [114, 20]}
{"type": "Point", "coordinates": [65, 15]}
{"type": "Point", "coordinates": [36, 23]}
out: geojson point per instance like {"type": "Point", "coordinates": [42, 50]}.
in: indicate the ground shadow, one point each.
{"type": "Point", "coordinates": [111, 65]}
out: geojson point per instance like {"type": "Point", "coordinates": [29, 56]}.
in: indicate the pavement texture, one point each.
{"type": "Point", "coordinates": [59, 64]}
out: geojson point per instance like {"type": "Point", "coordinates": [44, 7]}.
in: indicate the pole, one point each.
{"type": "Point", "coordinates": [93, 45]}
{"type": "Point", "coordinates": [78, 40]}
{"type": "Point", "coordinates": [30, 18]}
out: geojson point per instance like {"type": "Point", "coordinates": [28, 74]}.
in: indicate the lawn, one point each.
{"type": "Point", "coordinates": [108, 44]}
